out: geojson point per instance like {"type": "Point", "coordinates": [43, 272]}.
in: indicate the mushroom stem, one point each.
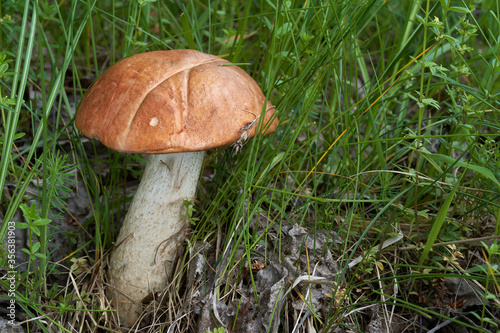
{"type": "Point", "coordinates": [153, 231]}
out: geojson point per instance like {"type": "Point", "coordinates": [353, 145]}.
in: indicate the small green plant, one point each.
{"type": "Point", "coordinates": [491, 271]}
{"type": "Point", "coordinates": [4, 65]}
{"type": "Point", "coordinates": [190, 211]}
{"type": "Point", "coordinates": [33, 223]}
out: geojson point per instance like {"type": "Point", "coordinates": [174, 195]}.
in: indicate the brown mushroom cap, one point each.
{"type": "Point", "coordinates": [171, 101]}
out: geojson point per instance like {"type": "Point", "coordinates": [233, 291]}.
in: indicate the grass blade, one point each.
{"type": "Point", "coordinates": [438, 223]}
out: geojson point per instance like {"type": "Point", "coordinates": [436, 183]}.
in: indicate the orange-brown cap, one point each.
{"type": "Point", "coordinates": [172, 101]}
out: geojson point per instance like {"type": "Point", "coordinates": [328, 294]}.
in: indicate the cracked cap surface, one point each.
{"type": "Point", "coordinates": [172, 101]}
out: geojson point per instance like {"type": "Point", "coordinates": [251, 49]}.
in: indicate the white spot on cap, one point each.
{"type": "Point", "coordinates": [154, 121]}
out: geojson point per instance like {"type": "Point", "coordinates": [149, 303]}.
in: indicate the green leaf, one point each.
{"type": "Point", "coordinates": [35, 247]}
{"type": "Point", "coordinates": [270, 3]}
{"type": "Point", "coordinates": [453, 41]}
{"type": "Point", "coordinates": [267, 22]}
{"type": "Point", "coordinates": [39, 222]}
{"type": "Point", "coordinates": [431, 102]}
{"type": "Point", "coordinates": [460, 9]}
{"type": "Point", "coordinates": [30, 213]}
{"type": "Point", "coordinates": [35, 230]}
{"type": "Point", "coordinates": [490, 321]}
{"type": "Point", "coordinates": [271, 165]}
{"type": "Point", "coordinates": [420, 19]}
{"type": "Point", "coordinates": [284, 29]}
{"type": "Point", "coordinates": [434, 24]}
{"type": "Point", "coordinates": [478, 268]}
{"type": "Point", "coordinates": [487, 173]}
{"type": "Point", "coordinates": [475, 315]}
{"type": "Point", "coordinates": [3, 68]}
{"type": "Point", "coordinates": [187, 31]}
{"type": "Point", "coordinates": [21, 225]}
{"type": "Point", "coordinates": [141, 44]}
{"type": "Point", "coordinates": [496, 65]}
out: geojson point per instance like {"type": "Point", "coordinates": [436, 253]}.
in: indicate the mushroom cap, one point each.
{"type": "Point", "coordinates": [172, 101]}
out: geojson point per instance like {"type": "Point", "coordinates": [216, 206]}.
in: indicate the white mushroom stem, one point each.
{"type": "Point", "coordinates": [153, 231]}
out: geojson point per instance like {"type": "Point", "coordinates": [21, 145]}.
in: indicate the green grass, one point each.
{"type": "Point", "coordinates": [389, 125]}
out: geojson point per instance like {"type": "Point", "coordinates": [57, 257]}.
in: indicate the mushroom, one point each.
{"type": "Point", "coordinates": [173, 105]}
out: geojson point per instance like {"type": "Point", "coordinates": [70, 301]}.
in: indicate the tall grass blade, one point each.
{"type": "Point", "coordinates": [438, 224]}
